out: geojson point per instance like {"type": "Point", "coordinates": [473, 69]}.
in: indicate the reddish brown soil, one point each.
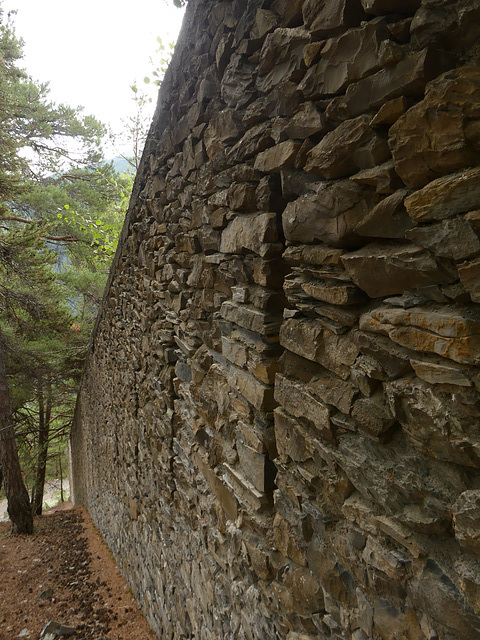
{"type": "Point", "coordinates": [67, 555]}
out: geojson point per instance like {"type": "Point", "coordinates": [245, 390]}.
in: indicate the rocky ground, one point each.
{"type": "Point", "coordinates": [64, 573]}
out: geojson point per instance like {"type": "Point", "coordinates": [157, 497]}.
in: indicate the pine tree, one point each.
{"type": "Point", "coordinates": [17, 496]}
{"type": "Point", "coordinates": [49, 156]}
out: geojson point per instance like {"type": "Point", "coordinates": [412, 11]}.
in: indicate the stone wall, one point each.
{"type": "Point", "coordinates": [278, 428]}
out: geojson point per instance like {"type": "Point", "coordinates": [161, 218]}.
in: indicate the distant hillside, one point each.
{"type": "Point", "coordinates": [121, 165]}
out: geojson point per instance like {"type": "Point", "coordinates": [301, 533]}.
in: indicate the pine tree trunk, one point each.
{"type": "Point", "coordinates": [17, 495]}
{"type": "Point", "coordinates": [45, 406]}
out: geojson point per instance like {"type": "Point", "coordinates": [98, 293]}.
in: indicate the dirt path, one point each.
{"type": "Point", "coordinates": [65, 573]}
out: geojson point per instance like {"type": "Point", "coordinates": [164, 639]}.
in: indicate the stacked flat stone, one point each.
{"type": "Point", "coordinates": [278, 430]}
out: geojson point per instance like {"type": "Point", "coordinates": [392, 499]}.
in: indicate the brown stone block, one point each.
{"type": "Point", "coordinates": [334, 391]}
{"type": "Point", "coordinates": [280, 156]}
{"type": "Point", "coordinates": [256, 139]}
{"type": "Point", "coordinates": [267, 194]}
{"type": "Point", "coordinates": [269, 273]}
{"type": "Point", "coordinates": [264, 324]}
{"type": "Point", "coordinates": [388, 621]}
{"type": "Point", "coordinates": [308, 121]}
{"type": "Point", "coordinates": [287, 540]}
{"type": "Point", "coordinates": [389, 475]}
{"type": "Point", "coordinates": [235, 352]}
{"type": "Point", "coordinates": [344, 60]}
{"type": "Point", "coordinates": [473, 218]}
{"type": "Point", "coordinates": [309, 339]}
{"type": "Point", "coordinates": [302, 155]}
{"type": "Point", "coordinates": [299, 402]}
{"type": "Point", "coordinates": [299, 368]}
{"type": "Point", "coordinates": [254, 436]}
{"type": "Point", "coordinates": [430, 139]}
{"type": "Point", "coordinates": [265, 21]}
{"type": "Point", "coordinates": [318, 254]}
{"type": "Point", "coordinates": [245, 491]}
{"type": "Point", "coordinates": [218, 199]}
{"type": "Point", "coordinates": [388, 219]}
{"type": "Point", "coordinates": [469, 273]}
{"type": "Point", "coordinates": [390, 112]}
{"type": "Point", "coordinates": [344, 316]}
{"type": "Point", "coordinates": [434, 592]}
{"type": "Point", "coordinates": [329, 215]}
{"type": "Point", "coordinates": [381, 558]}
{"type": "Point", "coordinates": [312, 53]}
{"type": "Point", "coordinates": [326, 17]}
{"type": "Point", "coordinates": [334, 292]}
{"type": "Point", "coordinates": [451, 333]}
{"type": "Point", "coordinates": [289, 10]}
{"type": "Point", "coordinates": [440, 372]}
{"type": "Point", "coordinates": [373, 416]}
{"type": "Point", "coordinates": [290, 442]}
{"type": "Point", "coordinates": [438, 421]}
{"type": "Point", "coordinates": [386, 360]}
{"type": "Point", "coordinates": [303, 337]}
{"type": "Point", "coordinates": [260, 395]}
{"type": "Point", "coordinates": [400, 533]}
{"type": "Point", "coordinates": [282, 100]}
{"type": "Point", "coordinates": [253, 466]}
{"type": "Point", "coordinates": [406, 78]}
{"type": "Point", "coordinates": [254, 233]}
{"type": "Point", "coordinates": [223, 52]}
{"type": "Point", "coordinates": [241, 197]}
{"type": "Point", "coordinates": [223, 128]}
{"type": "Point", "coordinates": [383, 177]}
{"type": "Point", "coordinates": [451, 25]}
{"type": "Point", "coordinates": [445, 197]}
{"type": "Point", "coordinates": [259, 559]}
{"type": "Point", "coordinates": [218, 218]}
{"type": "Point", "coordinates": [449, 239]}
{"type": "Point", "coordinates": [133, 509]}
{"type": "Point", "coordinates": [327, 570]}
{"type": "Point", "coordinates": [305, 589]}
{"type": "Point", "coordinates": [281, 57]}
{"type": "Point", "coordinates": [238, 82]}
{"type": "Point", "coordinates": [466, 520]}
{"type": "Point", "coordinates": [225, 497]}
{"type": "Point", "coordinates": [382, 269]}
{"type": "Point", "coordinates": [297, 183]}
{"type": "Point", "coordinates": [351, 147]}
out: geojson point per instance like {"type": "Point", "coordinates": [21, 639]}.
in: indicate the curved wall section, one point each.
{"type": "Point", "coordinates": [278, 426]}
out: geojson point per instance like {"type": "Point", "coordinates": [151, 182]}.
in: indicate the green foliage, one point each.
{"type": "Point", "coordinates": [136, 126]}
{"type": "Point", "coordinates": [37, 137]}
{"type": "Point", "coordinates": [160, 61]}
{"type": "Point", "coordinates": [85, 209]}
{"type": "Point", "coordinates": [61, 210]}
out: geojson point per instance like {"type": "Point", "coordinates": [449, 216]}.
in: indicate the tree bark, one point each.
{"type": "Point", "coordinates": [45, 411]}
{"type": "Point", "coordinates": [17, 496]}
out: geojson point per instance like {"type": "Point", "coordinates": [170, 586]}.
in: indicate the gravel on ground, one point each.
{"type": "Point", "coordinates": [64, 572]}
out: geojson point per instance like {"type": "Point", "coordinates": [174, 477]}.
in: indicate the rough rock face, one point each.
{"type": "Point", "coordinates": [278, 425]}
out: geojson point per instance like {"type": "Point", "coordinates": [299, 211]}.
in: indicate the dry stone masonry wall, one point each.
{"type": "Point", "coordinates": [278, 429]}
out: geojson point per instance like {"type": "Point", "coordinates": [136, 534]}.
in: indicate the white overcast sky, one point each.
{"type": "Point", "coordinates": [91, 51]}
